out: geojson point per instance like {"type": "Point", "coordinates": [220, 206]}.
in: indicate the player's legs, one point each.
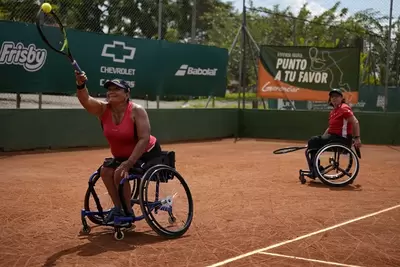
{"type": "Point", "coordinates": [317, 142]}
{"type": "Point", "coordinates": [127, 191]}
{"type": "Point", "coordinates": [314, 144]}
{"type": "Point", "coordinates": [147, 156]}
{"type": "Point", "coordinates": [107, 175]}
{"type": "Point", "coordinates": [154, 152]}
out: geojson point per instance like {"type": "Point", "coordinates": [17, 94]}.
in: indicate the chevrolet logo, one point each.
{"type": "Point", "coordinates": [114, 51]}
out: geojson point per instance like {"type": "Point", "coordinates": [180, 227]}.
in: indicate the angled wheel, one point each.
{"type": "Point", "coordinates": [336, 165]}
{"type": "Point", "coordinates": [166, 201]}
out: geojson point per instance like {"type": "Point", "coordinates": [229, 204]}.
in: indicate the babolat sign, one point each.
{"type": "Point", "coordinates": [200, 70]}
{"type": "Point", "coordinates": [186, 70]}
{"type": "Point", "coordinates": [150, 67]}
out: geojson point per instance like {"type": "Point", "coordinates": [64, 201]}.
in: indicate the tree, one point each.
{"type": "Point", "coordinates": [217, 24]}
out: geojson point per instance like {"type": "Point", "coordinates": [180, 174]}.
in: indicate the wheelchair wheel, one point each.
{"type": "Point", "coordinates": [97, 198]}
{"type": "Point", "coordinates": [164, 211]}
{"type": "Point", "coordinates": [330, 170]}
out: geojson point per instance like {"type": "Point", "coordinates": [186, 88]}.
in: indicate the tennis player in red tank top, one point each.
{"type": "Point", "coordinates": [126, 127]}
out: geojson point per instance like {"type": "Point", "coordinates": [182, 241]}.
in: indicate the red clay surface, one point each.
{"type": "Point", "coordinates": [245, 198]}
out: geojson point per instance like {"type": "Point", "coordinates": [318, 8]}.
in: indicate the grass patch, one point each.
{"type": "Point", "coordinates": [235, 96]}
{"type": "Point", "coordinates": [231, 104]}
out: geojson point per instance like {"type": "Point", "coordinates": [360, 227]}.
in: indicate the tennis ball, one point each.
{"type": "Point", "coordinates": [46, 7]}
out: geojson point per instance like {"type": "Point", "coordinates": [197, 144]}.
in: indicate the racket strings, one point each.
{"type": "Point", "coordinates": [53, 33]}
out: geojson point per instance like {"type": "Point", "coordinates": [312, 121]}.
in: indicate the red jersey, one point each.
{"type": "Point", "coordinates": [121, 137]}
{"type": "Point", "coordinates": [338, 121]}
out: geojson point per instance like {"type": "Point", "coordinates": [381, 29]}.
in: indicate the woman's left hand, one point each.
{"type": "Point", "coordinates": [124, 168]}
{"type": "Point", "coordinates": [357, 142]}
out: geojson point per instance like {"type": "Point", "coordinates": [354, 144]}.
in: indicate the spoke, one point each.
{"type": "Point", "coordinates": [344, 171]}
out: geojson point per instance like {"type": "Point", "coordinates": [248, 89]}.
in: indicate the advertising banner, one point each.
{"type": "Point", "coordinates": [308, 73]}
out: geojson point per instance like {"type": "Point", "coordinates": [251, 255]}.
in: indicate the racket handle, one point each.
{"type": "Point", "coordinates": [76, 66]}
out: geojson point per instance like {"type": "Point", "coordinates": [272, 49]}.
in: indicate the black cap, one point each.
{"type": "Point", "coordinates": [338, 91]}
{"type": "Point", "coordinates": [118, 82]}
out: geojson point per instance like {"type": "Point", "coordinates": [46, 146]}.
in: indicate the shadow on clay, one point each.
{"type": "Point", "coordinates": [350, 187]}
{"type": "Point", "coordinates": [101, 242]}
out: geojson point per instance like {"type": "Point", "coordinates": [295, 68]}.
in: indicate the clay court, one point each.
{"type": "Point", "coordinates": [249, 210]}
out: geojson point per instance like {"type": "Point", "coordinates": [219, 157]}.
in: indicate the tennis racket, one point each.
{"type": "Point", "coordinates": [53, 33]}
{"type": "Point", "coordinates": [295, 148]}
{"type": "Point", "coordinates": [288, 149]}
{"type": "Point", "coordinates": [358, 152]}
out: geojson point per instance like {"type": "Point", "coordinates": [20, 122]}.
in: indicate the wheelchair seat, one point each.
{"type": "Point", "coordinates": [345, 152]}
{"type": "Point", "coordinates": [166, 158]}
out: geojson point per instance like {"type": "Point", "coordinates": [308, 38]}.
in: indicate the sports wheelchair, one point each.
{"type": "Point", "coordinates": [158, 171]}
{"type": "Point", "coordinates": [317, 168]}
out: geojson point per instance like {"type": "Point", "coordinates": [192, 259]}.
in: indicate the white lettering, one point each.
{"type": "Point", "coordinates": [283, 54]}
{"type": "Point", "coordinates": [290, 75]}
{"type": "Point", "coordinates": [120, 71]}
{"type": "Point", "coordinates": [31, 58]}
{"type": "Point", "coordinates": [199, 71]}
{"type": "Point", "coordinates": [291, 64]}
{"type": "Point", "coordinates": [268, 88]}
{"type": "Point", "coordinates": [313, 77]}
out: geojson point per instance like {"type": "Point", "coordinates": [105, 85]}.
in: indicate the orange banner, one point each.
{"type": "Point", "coordinates": [268, 87]}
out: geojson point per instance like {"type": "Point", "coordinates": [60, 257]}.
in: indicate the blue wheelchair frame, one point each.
{"type": "Point", "coordinates": [160, 170]}
{"type": "Point", "coordinates": [118, 220]}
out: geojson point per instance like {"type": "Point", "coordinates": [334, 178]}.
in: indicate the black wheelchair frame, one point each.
{"type": "Point", "coordinates": [315, 172]}
{"type": "Point", "coordinates": [338, 149]}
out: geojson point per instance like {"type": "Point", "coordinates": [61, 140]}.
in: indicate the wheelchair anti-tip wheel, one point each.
{"type": "Point", "coordinates": [170, 207]}
{"type": "Point", "coordinates": [328, 165]}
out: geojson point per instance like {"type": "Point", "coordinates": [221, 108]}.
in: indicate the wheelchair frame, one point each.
{"type": "Point", "coordinates": [140, 175]}
{"type": "Point", "coordinates": [314, 170]}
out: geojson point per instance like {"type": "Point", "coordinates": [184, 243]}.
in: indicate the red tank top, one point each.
{"type": "Point", "coordinates": [122, 137]}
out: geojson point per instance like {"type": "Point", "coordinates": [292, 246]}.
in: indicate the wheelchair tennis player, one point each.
{"type": "Point", "coordinates": [126, 127]}
{"type": "Point", "coordinates": [343, 126]}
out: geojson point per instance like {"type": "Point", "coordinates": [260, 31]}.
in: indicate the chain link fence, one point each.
{"type": "Point", "coordinates": [365, 24]}
{"type": "Point", "coordinates": [336, 25]}
{"type": "Point", "coordinates": [174, 21]}
{"type": "Point", "coordinates": [218, 23]}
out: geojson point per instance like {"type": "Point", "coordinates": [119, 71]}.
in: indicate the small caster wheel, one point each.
{"type": "Point", "coordinates": [86, 230]}
{"type": "Point", "coordinates": [119, 235]}
{"type": "Point", "coordinates": [302, 179]}
{"type": "Point", "coordinates": [171, 219]}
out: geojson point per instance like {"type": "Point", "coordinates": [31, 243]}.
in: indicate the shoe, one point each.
{"type": "Point", "coordinates": [115, 211]}
{"type": "Point", "coordinates": [121, 213]}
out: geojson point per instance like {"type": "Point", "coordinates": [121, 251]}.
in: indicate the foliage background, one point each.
{"type": "Point", "coordinates": [217, 22]}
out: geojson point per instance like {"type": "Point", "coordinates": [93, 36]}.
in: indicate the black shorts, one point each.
{"type": "Point", "coordinates": [317, 142]}
{"type": "Point", "coordinates": [155, 152]}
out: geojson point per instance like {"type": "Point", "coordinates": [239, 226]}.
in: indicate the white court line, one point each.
{"type": "Point", "coordinates": [300, 237]}
{"type": "Point", "coordinates": [306, 259]}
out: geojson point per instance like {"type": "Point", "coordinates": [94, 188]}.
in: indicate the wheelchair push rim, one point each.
{"type": "Point", "coordinates": [165, 204]}
{"type": "Point", "coordinates": [285, 150]}
{"type": "Point", "coordinates": [334, 164]}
